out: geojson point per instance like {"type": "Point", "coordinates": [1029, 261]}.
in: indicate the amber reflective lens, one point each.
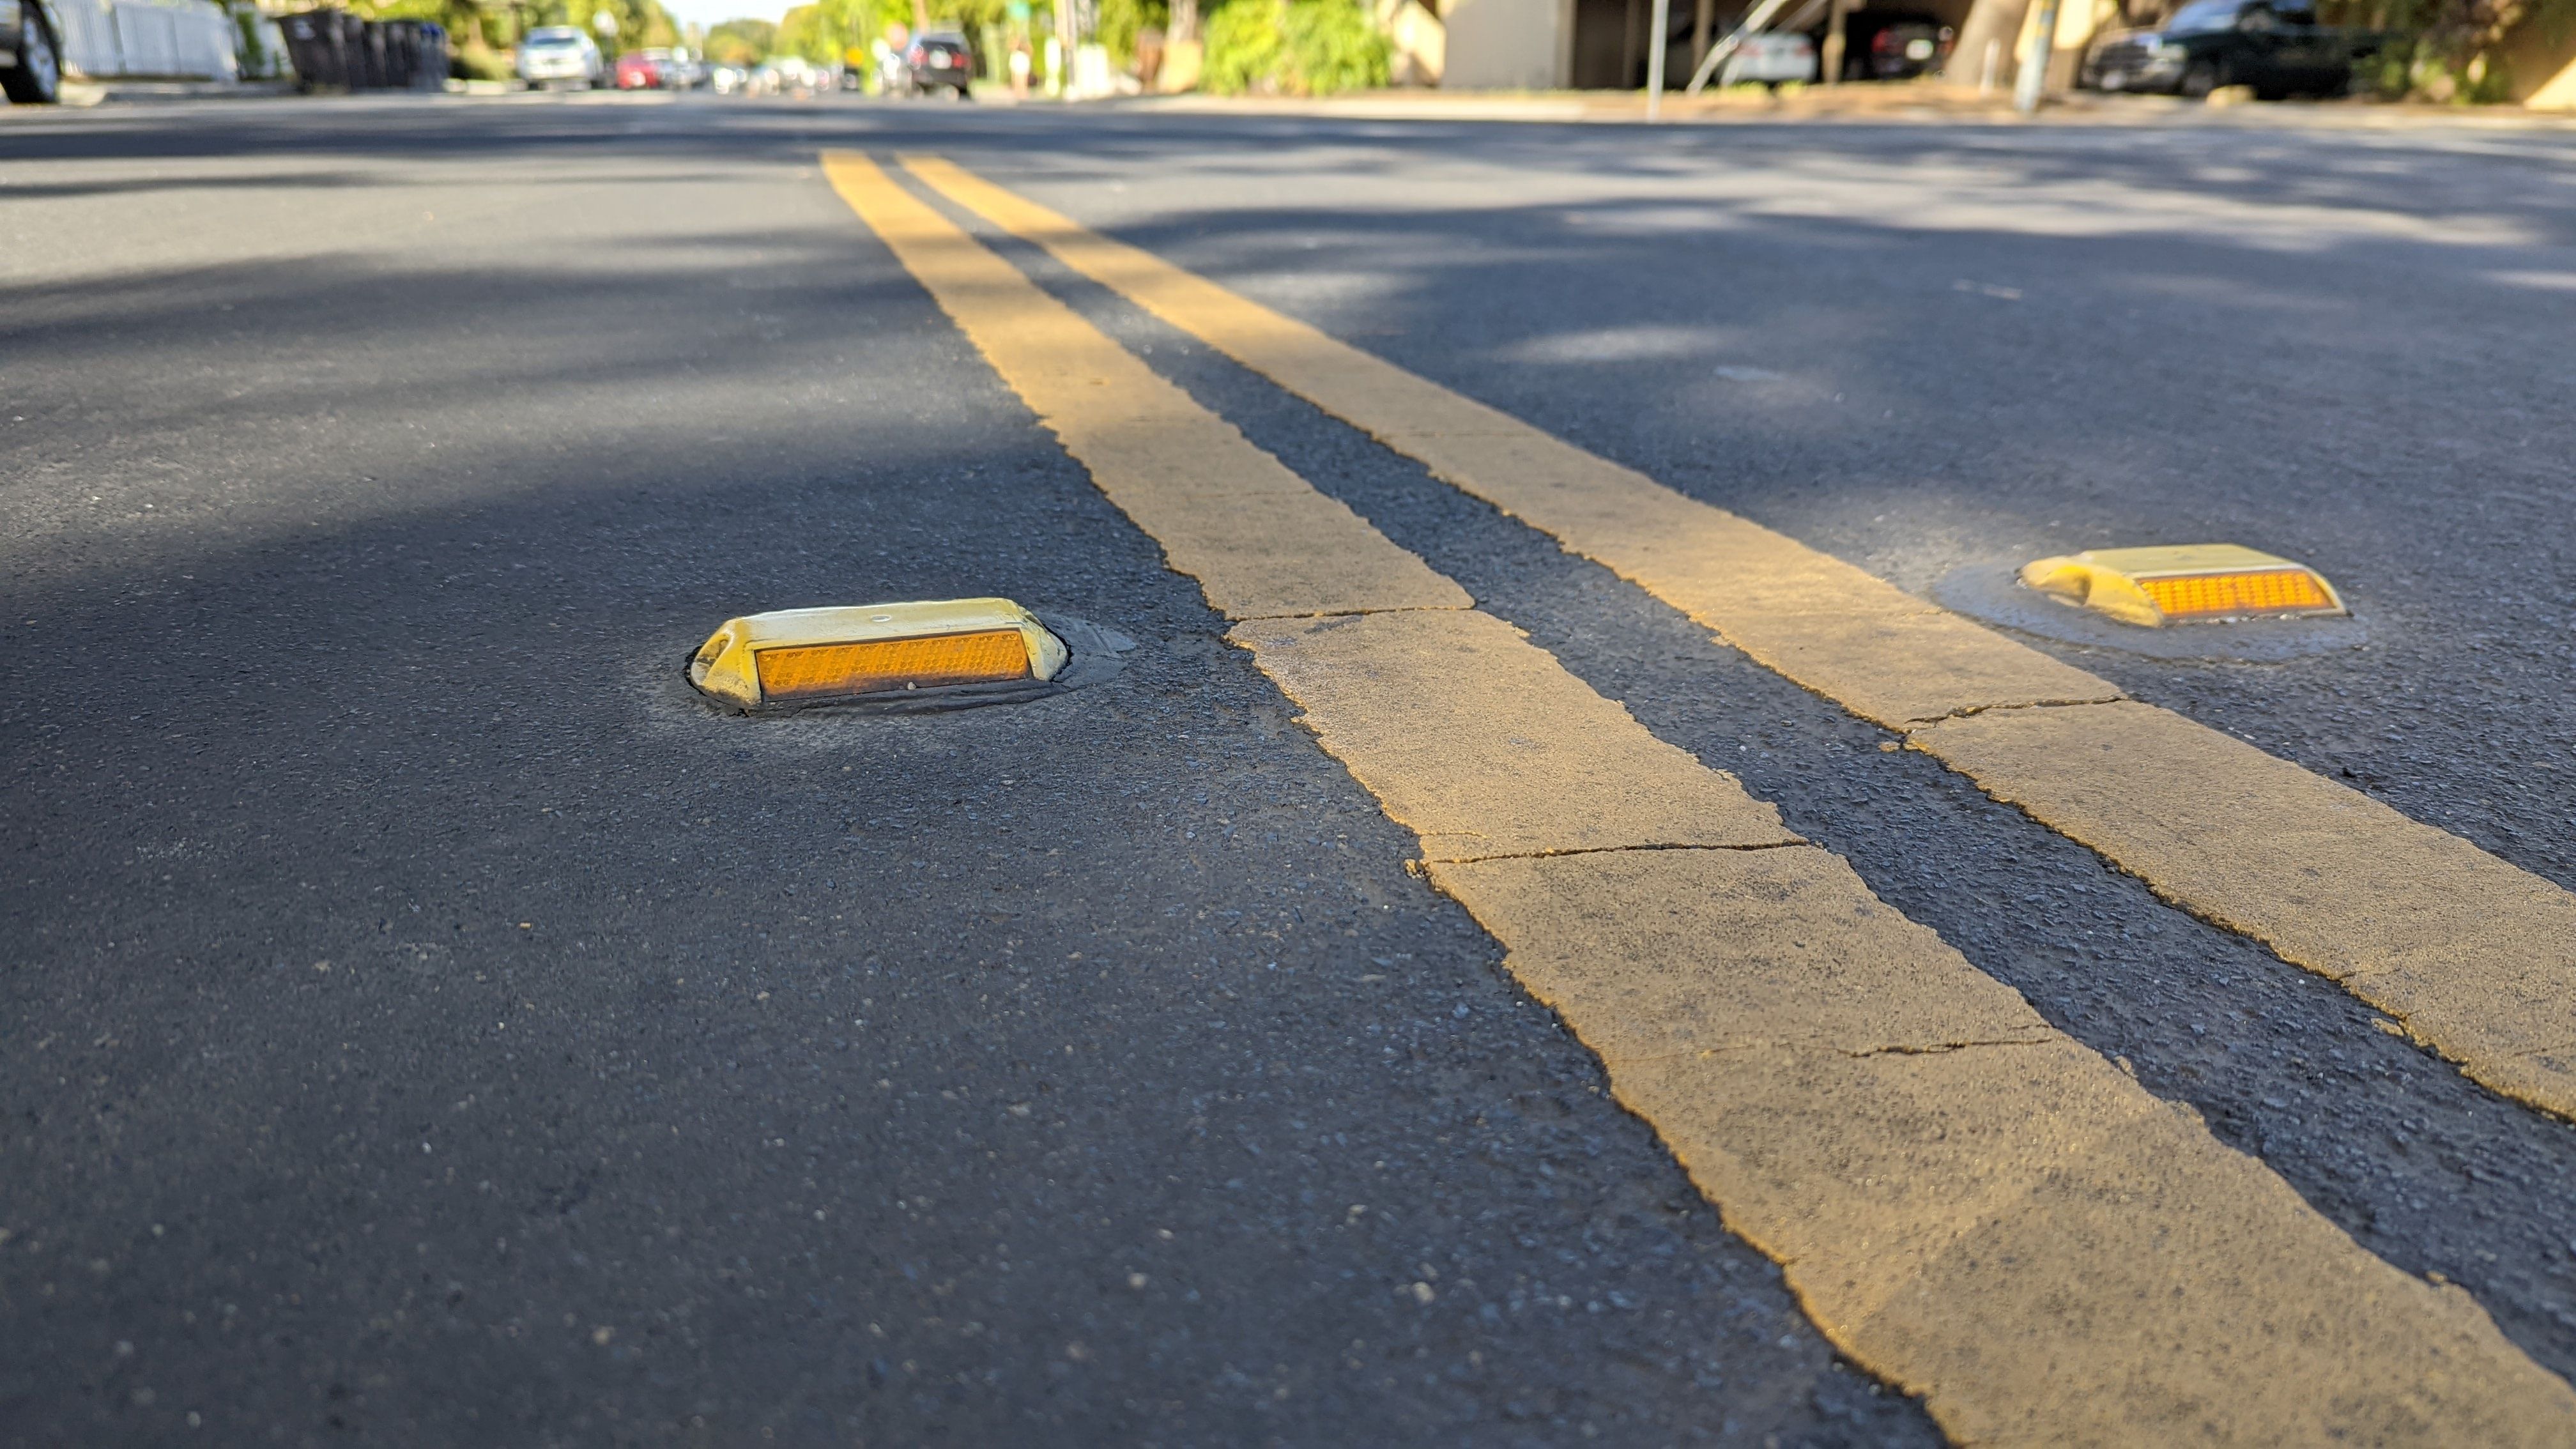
{"type": "Point", "coordinates": [829, 671]}
{"type": "Point", "coordinates": [2272, 591]}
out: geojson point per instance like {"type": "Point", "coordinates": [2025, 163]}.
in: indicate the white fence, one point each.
{"type": "Point", "coordinates": [160, 39]}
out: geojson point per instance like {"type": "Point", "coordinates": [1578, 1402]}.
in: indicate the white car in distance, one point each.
{"type": "Point", "coordinates": [1770, 58]}
{"type": "Point", "coordinates": [560, 55]}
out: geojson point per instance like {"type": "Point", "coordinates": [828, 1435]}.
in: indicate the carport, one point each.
{"type": "Point", "coordinates": [1604, 44]}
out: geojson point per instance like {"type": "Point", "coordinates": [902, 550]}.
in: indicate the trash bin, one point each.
{"type": "Point", "coordinates": [402, 52]}
{"type": "Point", "coordinates": [430, 71]}
{"type": "Point", "coordinates": [367, 65]}
{"type": "Point", "coordinates": [334, 50]}
{"type": "Point", "coordinates": [313, 46]}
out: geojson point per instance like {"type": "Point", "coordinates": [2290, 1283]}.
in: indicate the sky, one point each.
{"type": "Point", "coordinates": [708, 12]}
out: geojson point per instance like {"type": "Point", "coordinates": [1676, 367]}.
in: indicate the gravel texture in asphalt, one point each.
{"type": "Point", "coordinates": [426, 1022]}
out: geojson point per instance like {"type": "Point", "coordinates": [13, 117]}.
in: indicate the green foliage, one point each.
{"type": "Point", "coordinates": [808, 32]}
{"type": "Point", "coordinates": [1121, 20]}
{"type": "Point", "coordinates": [641, 24]}
{"type": "Point", "coordinates": [1293, 48]}
{"type": "Point", "coordinates": [1335, 47]}
{"type": "Point", "coordinates": [480, 63]}
{"type": "Point", "coordinates": [488, 24]}
{"type": "Point", "coordinates": [827, 30]}
{"type": "Point", "coordinates": [742, 42]}
{"type": "Point", "coordinates": [2479, 80]}
{"type": "Point", "coordinates": [250, 45]}
{"type": "Point", "coordinates": [1246, 47]}
{"type": "Point", "coordinates": [2449, 50]}
{"type": "Point", "coordinates": [969, 17]}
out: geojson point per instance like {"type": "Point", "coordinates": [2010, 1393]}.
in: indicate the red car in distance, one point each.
{"type": "Point", "coordinates": [643, 70]}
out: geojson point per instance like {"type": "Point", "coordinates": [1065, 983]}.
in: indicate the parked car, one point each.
{"type": "Point", "coordinates": [2275, 46]}
{"type": "Point", "coordinates": [939, 58]}
{"type": "Point", "coordinates": [795, 75]}
{"type": "Point", "coordinates": [31, 54]}
{"type": "Point", "coordinates": [560, 55]}
{"type": "Point", "coordinates": [1891, 44]}
{"type": "Point", "coordinates": [1770, 57]}
{"type": "Point", "coordinates": [644, 70]}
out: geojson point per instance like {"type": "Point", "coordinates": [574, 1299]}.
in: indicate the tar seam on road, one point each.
{"type": "Point", "coordinates": [1968, 1202]}
{"type": "Point", "coordinates": [2474, 956]}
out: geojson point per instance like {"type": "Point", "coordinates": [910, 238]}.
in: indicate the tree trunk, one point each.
{"type": "Point", "coordinates": [1995, 20]}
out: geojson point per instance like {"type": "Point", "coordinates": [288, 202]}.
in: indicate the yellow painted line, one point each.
{"type": "Point", "coordinates": [2483, 968]}
{"type": "Point", "coordinates": [1972, 1205]}
{"type": "Point", "coordinates": [1894, 658]}
{"type": "Point", "coordinates": [2426, 927]}
{"type": "Point", "coordinates": [1491, 746]}
{"type": "Point", "coordinates": [1480, 743]}
{"type": "Point", "coordinates": [1276, 548]}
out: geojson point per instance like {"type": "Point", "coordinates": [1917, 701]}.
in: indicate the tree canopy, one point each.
{"type": "Point", "coordinates": [742, 42]}
{"type": "Point", "coordinates": [488, 24]}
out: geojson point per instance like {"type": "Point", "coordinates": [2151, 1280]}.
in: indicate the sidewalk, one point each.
{"type": "Point", "coordinates": [1875, 103]}
{"type": "Point", "coordinates": [92, 93]}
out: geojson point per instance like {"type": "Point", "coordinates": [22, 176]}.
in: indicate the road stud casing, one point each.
{"type": "Point", "coordinates": [2182, 584]}
{"type": "Point", "coordinates": [815, 656]}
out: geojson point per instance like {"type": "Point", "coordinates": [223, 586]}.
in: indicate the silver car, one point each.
{"type": "Point", "coordinates": [560, 55]}
{"type": "Point", "coordinates": [1771, 58]}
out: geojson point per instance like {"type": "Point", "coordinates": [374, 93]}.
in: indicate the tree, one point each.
{"type": "Point", "coordinates": [2455, 49]}
{"type": "Point", "coordinates": [742, 42]}
{"type": "Point", "coordinates": [1294, 47]}
{"type": "Point", "coordinates": [486, 26]}
{"type": "Point", "coordinates": [1120, 20]}
{"type": "Point", "coordinates": [826, 31]}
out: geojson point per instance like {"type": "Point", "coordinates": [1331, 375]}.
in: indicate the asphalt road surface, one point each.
{"type": "Point", "coordinates": [424, 1020]}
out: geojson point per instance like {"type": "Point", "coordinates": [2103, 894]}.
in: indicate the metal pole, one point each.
{"type": "Point", "coordinates": [2034, 71]}
{"type": "Point", "coordinates": [1718, 53]}
{"type": "Point", "coordinates": [1655, 61]}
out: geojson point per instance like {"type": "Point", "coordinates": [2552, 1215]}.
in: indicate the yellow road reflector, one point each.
{"type": "Point", "coordinates": [2158, 586]}
{"type": "Point", "coordinates": [1977, 1208]}
{"type": "Point", "coordinates": [2080, 761]}
{"type": "Point", "coordinates": [810, 656]}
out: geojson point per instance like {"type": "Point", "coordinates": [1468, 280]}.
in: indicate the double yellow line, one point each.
{"type": "Point", "coordinates": [1969, 1203]}
{"type": "Point", "coordinates": [2473, 957]}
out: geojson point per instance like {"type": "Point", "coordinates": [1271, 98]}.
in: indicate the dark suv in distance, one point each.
{"type": "Point", "coordinates": [939, 58]}
{"type": "Point", "coordinates": [31, 54]}
{"type": "Point", "coordinates": [2274, 46]}
{"type": "Point", "coordinates": [1890, 44]}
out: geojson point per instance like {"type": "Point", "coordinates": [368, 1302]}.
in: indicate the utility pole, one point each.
{"type": "Point", "coordinates": [2034, 71]}
{"type": "Point", "coordinates": [1655, 61]}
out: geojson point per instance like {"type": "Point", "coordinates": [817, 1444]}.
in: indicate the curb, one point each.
{"type": "Point", "coordinates": [1884, 104]}
{"type": "Point", "coordinates": [123, 92]}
